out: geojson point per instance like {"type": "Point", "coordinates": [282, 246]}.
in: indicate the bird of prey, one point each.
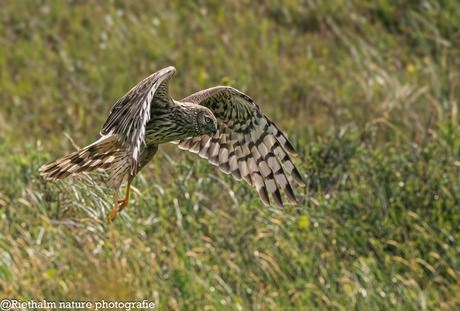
{"type": "Point", "coordinates": [221, 124]}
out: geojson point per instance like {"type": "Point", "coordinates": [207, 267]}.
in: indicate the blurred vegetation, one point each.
{"type": "Point", "coordinates": [367, 90]}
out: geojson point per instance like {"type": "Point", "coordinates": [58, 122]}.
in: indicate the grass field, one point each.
{"type": "Point", "coordinates": [368, 92]}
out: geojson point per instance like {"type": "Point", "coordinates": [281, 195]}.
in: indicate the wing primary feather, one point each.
{"type": "Point", "coordinates": [280, 176]}
{"type": "Point", "coordinates": [256, 176]}
{"type": "Point", "coordinates": [213, 152]}
{"type": "Point", "coordinates": [258, 153]}
{"type": "Point", "coordinates": [289, 193]}
{"type": "Point", "coordinates": [185, 144]}
{"type": "Point", "coordinates": [243, 164]}
{"type": "Point", "coordinates": [233, 163]}
{"type": "Point", "coordinates": [205, 143]}
{"type": "Point", "coordinates": [283, 140]}
{"type": "Point", "coordinates": [195, 146]}
{"type": "Point", "coordinates": [261, 188]}
{"type": "Point", "coordinates": [277, 198]}
{"type": "Point", "coordinates": [287, 162]}
{"type": "Point", "coordinates": [223, 153]}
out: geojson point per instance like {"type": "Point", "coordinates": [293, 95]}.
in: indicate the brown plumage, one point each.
{"type": "Point", "coordinates": [247, 144]}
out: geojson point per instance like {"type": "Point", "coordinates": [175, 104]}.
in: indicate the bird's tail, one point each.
{"type": "Point", "coordinates": [101, 154]}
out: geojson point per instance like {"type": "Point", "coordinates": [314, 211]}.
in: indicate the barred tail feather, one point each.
{"type": "Point", "coordinates": [100, 155]}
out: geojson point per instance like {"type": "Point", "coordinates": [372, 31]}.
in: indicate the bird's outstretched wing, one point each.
{"type": "Point", "coordinates": [130, 114]}
{"type": "Point", "coordinates": [247, 144]}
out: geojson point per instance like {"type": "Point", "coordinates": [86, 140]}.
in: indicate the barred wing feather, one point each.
{"type": "Point", "coordinates": [130, 114]}
{"type": "Point", "coordinates": [247, 144]}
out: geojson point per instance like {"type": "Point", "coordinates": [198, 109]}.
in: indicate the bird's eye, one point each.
{"type": "Point", "coordinates": [207, 120]}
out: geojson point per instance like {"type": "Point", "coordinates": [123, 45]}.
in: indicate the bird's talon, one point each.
{"type": "Point", "coordinates": [112, 215]}
{"type": "Point", "coordinates": [123, 204]}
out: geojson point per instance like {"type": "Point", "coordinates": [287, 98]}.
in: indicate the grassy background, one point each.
{"type": "Point", "coordinates": [367, 90]}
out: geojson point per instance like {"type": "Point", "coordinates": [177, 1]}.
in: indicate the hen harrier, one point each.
{"type": "Point", "coordinates": [246, 144]}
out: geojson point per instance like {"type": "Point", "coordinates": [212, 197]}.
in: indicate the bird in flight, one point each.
{"type": "Point", "coordinates": [221, 124]}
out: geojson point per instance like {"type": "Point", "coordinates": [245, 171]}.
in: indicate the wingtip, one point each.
{"type": "Point", "coordinates": [301, 182]}
{"type": "Point", "coordinates": [264, 196]}
{"type": "Point", "coordinates": [276, 195]}
{"type": "Point", "coordinates": [171, 70]}
{"type": "Point", "coordinates": [297, 177]}
{"type": "Point", "coordinates": [44, 170]}
{"type": "Point", "coordinates": [290, 148]}
{"type": "Point", "coordinates": [290, 193]}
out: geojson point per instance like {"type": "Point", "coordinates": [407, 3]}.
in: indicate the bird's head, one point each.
{"type": "Point", "coordinates": [206, 122]}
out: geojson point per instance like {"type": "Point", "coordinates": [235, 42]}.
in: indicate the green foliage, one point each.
{"type": "Point", "coordinates": [367, 90]}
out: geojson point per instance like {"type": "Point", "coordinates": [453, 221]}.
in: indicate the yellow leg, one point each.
{"type": "Point", "coordinates": [125, 201]}
{"type": "Point", "coordinates": [118, 208]}
{"type": "Point", "coordinates": [114, 211]}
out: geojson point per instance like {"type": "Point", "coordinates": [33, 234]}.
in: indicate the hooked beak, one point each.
{"type": "Point", "coordinates": [215, 129]}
